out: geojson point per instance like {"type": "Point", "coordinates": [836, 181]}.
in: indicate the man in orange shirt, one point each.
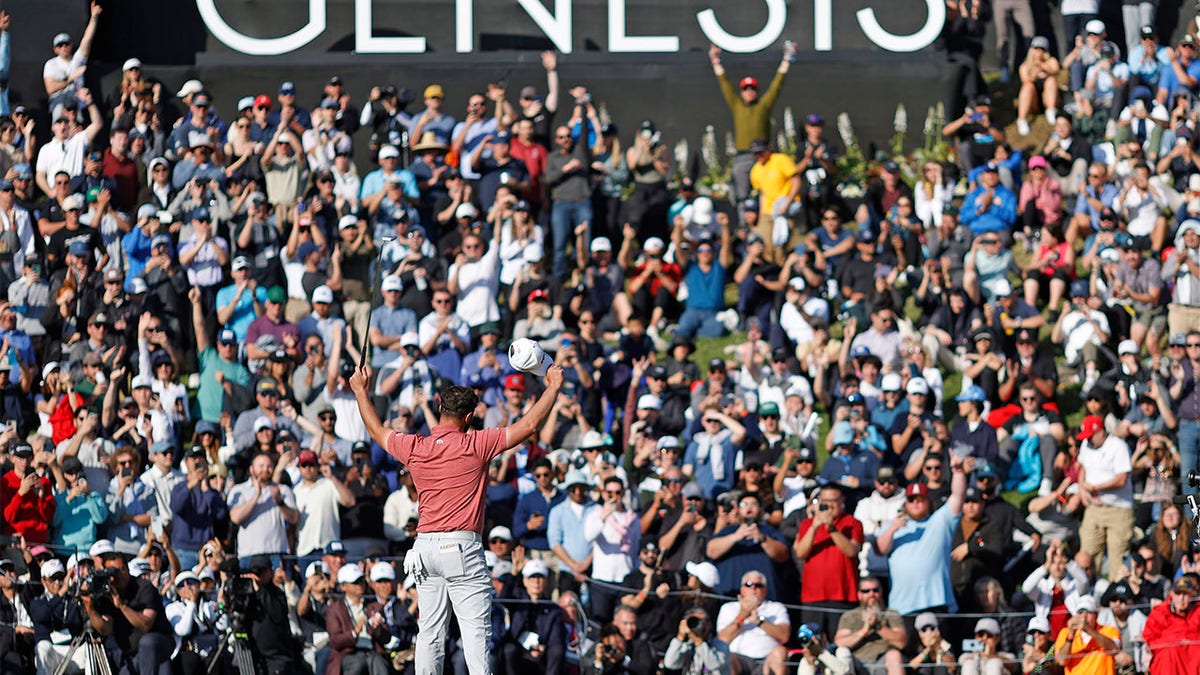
{"type": "Point", "coordinates": [1084, 647]}
{"type": "Point", "coordinates": [449, 468]}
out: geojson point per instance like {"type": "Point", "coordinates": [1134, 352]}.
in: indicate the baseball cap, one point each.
{"type": "Point", "coordinates": [227, 337]}
{"type": "Point", "coordinates": [917, 385]}
{"type": "Point", "coordinates": [985, 469]}
{"type": "Point", "coordinates": [434, 91]}
{"type": "Point", "coordinates": [665, 442]}
{"type": "Point", "coordinates": [925, 620]}
{"type": "Point", "coordinates": [1187, 586]}
{"type": "Point", "coordinates": [649, 402]}
{"type": "Point", "coordinates": [1127, 346]}
{"type": "Point", "coordinates": [653, 244]}
{"type": "Point", "coordinates": [266, 384]}
{"type": "Point", "coordinates": [692, 490]}
{"type": "Point", "coordinates": [140, 381]}
{"type": "Point", "coordinates": [1039, 624]}
{"type": "Point", "coordinates": [843, 433]}
{"type": "Point", "coordinates": [186, 576]}
{"type": "Point", "coordinates": [1083, 603]}
{"type": "Point", "coordinates": [388, 151]}
{"type": "Point", "coordinates": [349, 573]}
{"type": "Point", "coordinates": [1176, 340]}
{"type": "Point", "coordinates": [600, 244]}
{"type": "Point", "coordinates": [392, 283]}
{"type": "Point", "coordinates": [916, 490]}
{"type": "Point", "coordinates": [515, 381]}
{"type": "Point", "coordinates": [1025, 335]}
{"type": "Point", "coordinates": [52, 567]}
{"type": "Point", "coordinates": [534, 568]}
{"type": "Point", "coordinates": [987, 625]}
{"type": "Point", "coordinates": [705, 572]}
{"type": "Point", "coordinates": [1040, 42]}
{"type": "Point", "coordinates": [891, 382]}
{"type": "Point", "coordinates": [1037, 162]}
{"type": "Point", "coordinates": [1079, 288]}
{"type": "Point", "coordinates": [657, 372]}
{"type": "Point", "coordinates": [1147, 31]}
{"type": "Point", "coordinates": [1094, 27]}
{"type": "Point", "coordinates": [62, 39]}
{"type": "Point", "coordinates": [748, 82]}
{"type": "Point", "coordinates": [240, 263]}
{"type": "Point", "coordinates": [276, 294]}
{"type": "Point", "coordinates": [500, 532]}
{"type": "Point", "coordinates": [190, 87]}
{"type": "Point", "coordinates": [322, 294]}
{"type": "Point", "coordinates": [972, 393]}
{"type": "Point", "coordinates": [768, 409]}
{"type": "Point", "coordinates": [1090, 425]}
{"type": "Point", "coordinates": [101, 548]}
{"type": "Point", "coordinates": [382, 571]}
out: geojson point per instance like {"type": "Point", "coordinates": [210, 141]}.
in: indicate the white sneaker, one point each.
{"type": "Point", "coordinates": [1051, 115]}
{"type": "Point", "coordinates": [1089, 380]}
{"type": "Point", "coordinates": [1023, 127]}
{"type": "Point", "coordinates": [659, 343]}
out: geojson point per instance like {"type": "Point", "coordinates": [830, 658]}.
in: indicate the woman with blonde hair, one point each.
{"type": "Point", "coordinates": [1039, 82]}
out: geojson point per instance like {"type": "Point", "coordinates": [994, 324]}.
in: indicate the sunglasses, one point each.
{"type": "Point", "coordinates": [308, 465]}
{"type": "Point", "coordinates": [754, 584]}
{"type": "Point", "coordinates": [497, 540]}
{"type": "Point", "coordinates": [869, 591]}
{"type": "Point", "coordinates": [914, 498]}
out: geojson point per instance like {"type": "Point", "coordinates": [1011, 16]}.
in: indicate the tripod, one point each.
{"type": "Point", "coordinates": [97, 655]}
{"type": "Point", "coordinates": [236, 641]}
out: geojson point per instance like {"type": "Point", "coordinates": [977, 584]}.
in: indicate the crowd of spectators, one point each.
{"type": "Point", "coordinates": [189, 283]}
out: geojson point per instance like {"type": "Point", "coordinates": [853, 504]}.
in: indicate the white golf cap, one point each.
{"type": "Point", "coordinates": [190, 87]}
{"type": "Point", "coordinates": [798, 283]}
{"type": "Point", "coordinates": [382, 571]}
{"type": "Point", "coordinates": [240, 263]}
{"type": "Point", "coordinates": [410, 339]}
{"type": "Point", "coordinates": [349, 573]}
{"type": "Point", "coordinates": [1040, 624]}
{"type": "Point", "coordinates": [51, 567]}
{"type": "Point", "coordinates": [705, 572]}
{"type": "Point", "coordinates": [535, 567]}
{"type": "Point", "coordinates": [891, 382]}
{"type": "Point", "coordinates": [1083, 603]}
{"type": "Point", "coordinates": [132, 64]}
{"type": "Point", "coordinates": [649, 402]}
{"type": "Point", "coordinates": [348, 220]}
{"type": "Point", "coordinates": [653, 244]}
{"type": "Point", "coordinates": [601, 244]}
{"type": "Point", "coordinates": [392, 283]}
{"type": "Point", "coordinates": [500, 532]}
{"type": "Point", "coordinates": [138, 567]}
{"type": "Point", "coordinates": [245, 103]}
{"type": "Point", "coordinates": [467, 210]}
{"type": "Point", "coordinates": [917, 385]}
{"type": "Point", "coordinates": [388, 151]}
{"type": "Point", "coordinates": [322, 294]}
{"type": "Point", "coordinates": [528, 356]}
{"type": "Point", "coordinates": [49, 368]}
{"type": "Point", "coordinates": [1127, 346]}
{"type": "Point", "coordinates": [186, 575]}
{"type": "Point", "coordinates": [101, 547]}
{"type": "Point", "coordinates": [1095, 27]}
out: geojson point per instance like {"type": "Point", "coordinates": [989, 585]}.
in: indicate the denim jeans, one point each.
{"type": "Point", "coordinates": [564, 218]}
{"type": "Point", "coordinates": [702, 322]}
{"type": "Point", "coordinates": [1189, 449]}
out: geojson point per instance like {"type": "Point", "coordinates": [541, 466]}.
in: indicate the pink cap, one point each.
{"type": "Point", "coordinates": [1037, 161]}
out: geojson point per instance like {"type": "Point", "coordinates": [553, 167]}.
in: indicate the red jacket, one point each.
{"type": "Point", "coordinates": [28, 515]}
{"type": "Point", "coordinates": [1164, 633]}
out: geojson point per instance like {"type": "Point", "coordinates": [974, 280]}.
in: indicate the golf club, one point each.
{"type": "Point", "coordinates": [375, 291]}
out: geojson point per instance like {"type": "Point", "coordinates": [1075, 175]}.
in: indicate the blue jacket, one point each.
{"type": "Point", "coordinates": [1000, 216]}
{"type": "Point", "coordinates": [535, 503]}
{"type": "Point", "coordinates": [195, 513]}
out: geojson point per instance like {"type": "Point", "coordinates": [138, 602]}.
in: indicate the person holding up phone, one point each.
{"type": "Point", "coordinates": [828, 542]}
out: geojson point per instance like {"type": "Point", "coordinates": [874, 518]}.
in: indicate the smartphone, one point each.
{"type": "Point", "coordinates": [529, 640]}
{"type": "Point", "coordinates": [822, 507]}
{"type": "Point", "coordinates": [971, 645]}
{"type": "Point", "coordinates": [126, 472]}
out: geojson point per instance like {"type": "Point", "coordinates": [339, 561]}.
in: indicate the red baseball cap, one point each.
{"type": "Point", "coordinates": [515, 381]}
{"type": "Point", "coordinates": [539, 294]}
{"type": "Point", "coordinates": [916, 490]}
{"type": "Point", "coordinates": [748, 82]}
{"type": "Point", "coordinates": [306, 457]}
{"type": "Point", "coordinates": [262, 101]}
{"type": "Point", "coordinates": [1090, 425]}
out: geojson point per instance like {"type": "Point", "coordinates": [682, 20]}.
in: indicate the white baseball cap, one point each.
{"type": "Point", "coordinates": [917, 385]}
{"type": "Point", "coordinates": [891, 382]}
{"type": "Point", "coordinates": [601, 244]}
{"type": "Point", "coordinates": [705, 572]}
{"type": "Point", "coordinates": [467, 210]}
{"type": "Point", "coordinates": [1127, 346]}
{"type": "Point", "coordinates": [349, 573]}
{"type": "Point", "coordinates": [131, 64]}
{"type": "Point", "coordinates": [348, 220]}
{"type": "Point", "coordinates": [322, 294]}
{"type": "Point", "coordinates": [392, 283]}
{"type": "Point", "coordinates": [186, 575]}
{"type": "Point", "coordinates": [528, 356]}
{"type": "Point", "coordinates": [190, 87]}
{"type": "Point", "coordinates": [533, 567]}
{"type": "Point", "coordinates": [500, 532]}
{"type": "Point", "coordinates": [653, 244]}
{"type": "Point", "coordinates": [101, 547]}
{"type": "Point", "coordinates": [382, 571]}
{"type": "Point", "coordinates": [649, 402]}
{"type": "Point", "coordinates": [51, 567]}
{"type": "Point", "coordinates": [388, 151]}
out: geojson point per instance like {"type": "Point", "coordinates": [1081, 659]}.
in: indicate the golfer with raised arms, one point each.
{"type": "Point", "coordinates": [449, 468]}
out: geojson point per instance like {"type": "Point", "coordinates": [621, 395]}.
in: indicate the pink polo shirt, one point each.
{"type": "Point", "coordinates": [449, 468]}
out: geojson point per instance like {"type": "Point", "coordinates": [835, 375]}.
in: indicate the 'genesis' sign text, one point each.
{"type": "Point", "coordinates": [557, 27]}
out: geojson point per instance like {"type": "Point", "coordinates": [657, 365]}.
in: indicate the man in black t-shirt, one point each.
{"type": "Point", "coordinates": [131, 618]}
{"type": "Point", "coordinates": [73, 232]}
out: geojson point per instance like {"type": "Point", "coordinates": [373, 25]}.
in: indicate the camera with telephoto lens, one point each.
{"type": "Point", "coordinates": [695, 623]}
{"type": "Point", "coordinates": [805, 635]}
{"type": "Point", "coordinates": [98, 584]}
{"type": "Point", "coordinates": [1193, 479]}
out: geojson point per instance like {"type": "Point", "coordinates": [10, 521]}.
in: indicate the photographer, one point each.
{"type": "Point", "coordinates": [818, 656]}
{"type": "Point", "coordinates": [15, 624]}
{"type": "Point", "coordinates": [56, 617]}
{"type": "Point", "coordinates": [693, 651]}
{"type": "Point", "coordinates": [193, 617]}
{"type": "Point", "coordinates": [536, 639]}
{"type": "Point", "coordinates": [131, 615]}
{"type": "Point", "coordinates": [268, 615]}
